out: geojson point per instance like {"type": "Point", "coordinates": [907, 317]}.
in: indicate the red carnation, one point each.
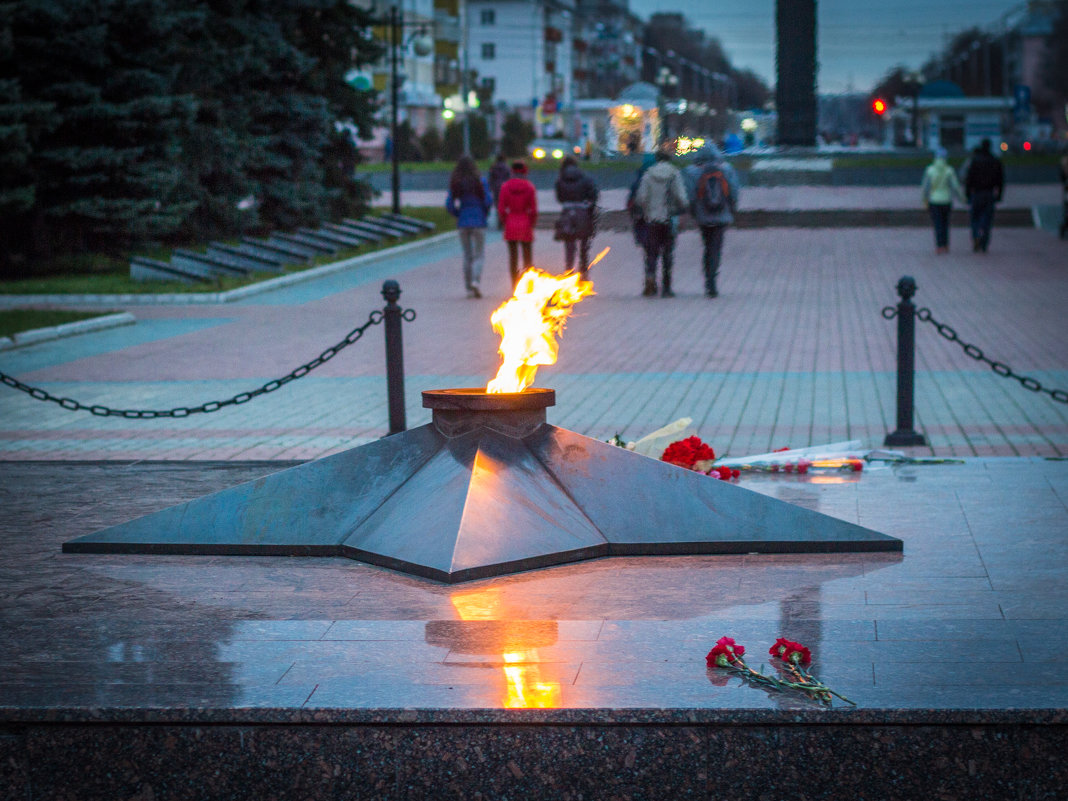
{"type": "Point", "coordinates": [724, 652]}
{"type": "Point", "coordinates": [735, 473]}
{"type": "Point", "coordinates": [789, 651]}
{"type": "Point", "coordinates": [686, 452]}
{"type": "Point", "coordinates": [724, 472]}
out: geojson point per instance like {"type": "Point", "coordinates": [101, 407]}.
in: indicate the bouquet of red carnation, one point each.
{"type": "Point", "coordinates": [690, 453]}
{"type": "Point", "coordinates": [727, 655]}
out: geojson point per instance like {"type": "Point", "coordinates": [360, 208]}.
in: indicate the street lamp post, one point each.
{"type": "Point", "coordinates": [422, 47]}
{"type": "Point", "coordinates": [396, 25]}
{"type": "Point", "coordinates": [667, 81]}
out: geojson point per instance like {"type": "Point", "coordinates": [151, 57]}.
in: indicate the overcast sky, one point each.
{"type": "Point", "coordinates": [859, 40]}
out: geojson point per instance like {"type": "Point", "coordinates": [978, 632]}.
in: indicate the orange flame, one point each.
{"type": "Point", "coordinates": [529, 323]}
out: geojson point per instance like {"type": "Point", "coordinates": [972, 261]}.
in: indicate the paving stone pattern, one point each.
{"type": "Point", "coordinates": [793, 353]}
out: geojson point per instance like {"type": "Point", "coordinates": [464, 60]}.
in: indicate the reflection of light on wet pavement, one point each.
{"type": "Point", "coordinates": [522, 671]}
{"type": "Point", "coordinates": [525, 688]}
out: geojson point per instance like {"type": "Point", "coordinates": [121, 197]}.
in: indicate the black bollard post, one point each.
{"type": "Point", "coordinates": [906, 362]}
{"type": "Point", "coordinates": [394, 356]}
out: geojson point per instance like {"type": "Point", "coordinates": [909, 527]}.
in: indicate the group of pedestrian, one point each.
{"type": "Point", "coordinates": [980, 185]}
{"type": "Point", "coordinates": [708, 189]}
{"type": "Point", "coordinates": [471, 197]}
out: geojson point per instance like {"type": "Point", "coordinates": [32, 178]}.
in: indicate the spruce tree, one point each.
{"type": "Point", "coordinates": [102, 159]}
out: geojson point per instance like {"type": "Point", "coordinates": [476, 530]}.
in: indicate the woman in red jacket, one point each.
{"type": "Point", "coordinates": [517, 206]}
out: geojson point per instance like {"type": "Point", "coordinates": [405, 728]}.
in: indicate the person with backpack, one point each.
{"type": "Point", "coordinates": [661, 197]}
{"type": "Point", "coordinates": [939, 187]}
{"type": "Point", "coordinates": [712, 187]}
{"type": "Point", "coordinates": [517, 206]}
{"type": "Point", "coordinates": [984, 183]}
{"type": "Point", "coordinates": [469, 201]}
{"type": "Point", "coordinates": [577, 194]}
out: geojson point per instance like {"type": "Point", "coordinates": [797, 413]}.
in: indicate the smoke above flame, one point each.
{"type": "Point", "coordinates": [530, 321]}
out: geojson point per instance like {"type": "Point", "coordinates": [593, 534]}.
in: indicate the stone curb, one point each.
{"type": "Point", "coordinates": [201, 298]}
{"type": "Point", "coordinates": [36, 335]}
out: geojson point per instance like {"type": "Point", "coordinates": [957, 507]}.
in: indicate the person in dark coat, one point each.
{"type": "Point", "coordinates": [639, 228]}
{"type": "Point", "coordinates": [518, 208]}
{"type": "Point", "coordinates": [577, 194]}
{"type": "Point", "coordinates": [499, 172]}
{"type": "Point", "coordinates": [984, 183]}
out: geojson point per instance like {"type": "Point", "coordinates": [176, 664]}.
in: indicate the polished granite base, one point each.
{"type": "Point", "coordinates": [137, 677]}
{"type": "Point", "coordinates": [488, 488]}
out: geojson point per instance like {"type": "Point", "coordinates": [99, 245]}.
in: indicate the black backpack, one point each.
{"type": "Point", "coordinates": [713, 191]}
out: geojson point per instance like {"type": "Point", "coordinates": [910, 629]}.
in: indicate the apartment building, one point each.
{"type": "Point", "coordinates": [524, 50]}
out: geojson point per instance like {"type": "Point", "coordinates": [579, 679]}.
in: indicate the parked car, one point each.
{"type": "Point", "coordinates": [552, 149]}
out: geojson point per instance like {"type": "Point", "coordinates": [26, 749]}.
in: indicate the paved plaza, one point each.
{"type": "Point", "coordinates": [795, 352]}
{"type": "Point", "coordinates": [339, 679]}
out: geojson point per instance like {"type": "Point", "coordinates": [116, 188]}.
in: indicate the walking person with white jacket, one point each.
{"type": "Point", "coordinates": [939, 187]}
{"type": "Point", "coordinates": [661, 196]}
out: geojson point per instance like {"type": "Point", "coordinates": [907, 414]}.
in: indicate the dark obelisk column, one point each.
{"type": "Point", "coordinates": [795, 60]}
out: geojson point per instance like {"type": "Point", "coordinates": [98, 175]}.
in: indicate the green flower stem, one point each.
{"type": "Point", "coordinates": [811, 684]}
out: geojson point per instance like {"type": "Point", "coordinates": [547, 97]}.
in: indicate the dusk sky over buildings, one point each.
{"type": "Point", "coordinates": [859, 40]}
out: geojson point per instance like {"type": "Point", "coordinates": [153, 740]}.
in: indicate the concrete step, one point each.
{"type": "Point", "coordinates": [145, 269]}
{"type": "Point", "coordinates": [218, 265]}
{"type": "Point", "coordinates": [246, 256]}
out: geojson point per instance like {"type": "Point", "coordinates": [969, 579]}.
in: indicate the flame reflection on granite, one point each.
{"type": "Point", "coordinates": [516, 641]}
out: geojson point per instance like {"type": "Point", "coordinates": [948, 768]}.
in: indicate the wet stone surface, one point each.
{"type": "Point", "coordinates": [383, 685]}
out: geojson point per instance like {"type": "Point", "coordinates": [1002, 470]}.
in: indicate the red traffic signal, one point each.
{"type": "Point", "coordinates": [878, 105]}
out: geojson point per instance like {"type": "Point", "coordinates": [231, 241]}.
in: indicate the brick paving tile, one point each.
{"type": "Point", "coordinates": [793, 353]}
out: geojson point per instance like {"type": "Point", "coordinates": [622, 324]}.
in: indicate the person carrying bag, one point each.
{"type": "Point", "coordinates": [575, 226]}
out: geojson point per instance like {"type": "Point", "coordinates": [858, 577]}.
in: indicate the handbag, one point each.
{"type": "Point", "coordinates": [574, 222]}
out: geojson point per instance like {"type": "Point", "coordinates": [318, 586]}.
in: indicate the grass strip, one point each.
{"type": "Point", "coordinates": [15, 321]}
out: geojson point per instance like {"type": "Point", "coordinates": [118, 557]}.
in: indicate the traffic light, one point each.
{"type": "Point", "coordinates": [878, 105]}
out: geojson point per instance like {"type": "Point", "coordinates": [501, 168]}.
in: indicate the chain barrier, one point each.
{"type": "Point", "coordinates": [374, 318]}
{"type": "Point", "coordinates": [975, 352]}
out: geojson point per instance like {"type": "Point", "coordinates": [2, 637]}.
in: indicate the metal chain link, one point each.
{"type": "Point", "coordinates": [374, 318]}
{"type": "Point", "coordinates": [974, 351]}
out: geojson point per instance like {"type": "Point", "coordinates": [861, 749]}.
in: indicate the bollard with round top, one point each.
{"type": "Point", "coordinates": [391, 315]}
{"type": "Point", "coordinates": [905, 435]}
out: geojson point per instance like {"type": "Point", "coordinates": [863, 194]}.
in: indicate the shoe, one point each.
{"type": "Point", "coordinates": [474, 292]}
{"type": "Point", "coordinates": [667, 293]}
{"type": "Point", "coordinates": [650, 288]}
{"type": "Point", "coordinates": [975, 246]}
{"type": "Point", "coordinates": [711, 293]}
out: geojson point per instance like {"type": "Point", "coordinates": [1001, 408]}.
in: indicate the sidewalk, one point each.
{"type": "Point", "coordinates": [793, 353]}
{"type": "Point", "coordinates": [786, 198]}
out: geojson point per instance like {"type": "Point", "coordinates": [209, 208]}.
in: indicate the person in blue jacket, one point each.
{"type": "Point", "coordinates": [469, 201]}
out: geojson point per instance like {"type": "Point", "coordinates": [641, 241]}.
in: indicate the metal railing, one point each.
{"type": "Point", "coordinates": [392, 315]}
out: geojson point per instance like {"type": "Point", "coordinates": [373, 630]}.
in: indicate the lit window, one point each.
{"type": "Point", "coordinates": [489, 51]}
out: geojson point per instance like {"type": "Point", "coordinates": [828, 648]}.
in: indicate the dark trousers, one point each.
{"type": "Point", "coordinates": [659, 241]}
{"type": "Point", "coordinates": [982, 216]}
{"type": "Point", "coordinates": [940, 221]}
{"type": "Point", "coordinates": [583, 248]}
{"type": "Point", "coordinates": [713, 239]}
{"type": "Point", "coordinates": [513, 258]}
